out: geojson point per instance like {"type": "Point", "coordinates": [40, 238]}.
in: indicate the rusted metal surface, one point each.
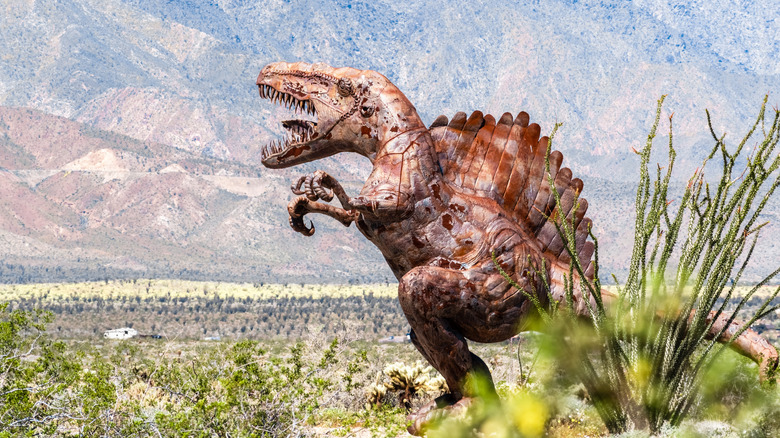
{"type": "Point", "coordinates": [437, 203]}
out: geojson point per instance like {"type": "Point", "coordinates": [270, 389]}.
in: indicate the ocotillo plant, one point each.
{"type": "Point", "coordinates": [643, 357]}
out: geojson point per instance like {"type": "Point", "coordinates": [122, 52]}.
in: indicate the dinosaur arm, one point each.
{"type": "Point", "coordinates": [319, 185]}
{"type": "Point", "coordinates": [302, 205]}
{"type": "Point", "coordinates": [378, 200]}
{"type": "Point", "coordinates": [386, 204]}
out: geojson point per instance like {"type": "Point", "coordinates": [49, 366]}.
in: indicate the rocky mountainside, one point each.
{"type": "Point", "coordinates": [131, 128]}
{"type": "Point", "coordinates": [82, 203]}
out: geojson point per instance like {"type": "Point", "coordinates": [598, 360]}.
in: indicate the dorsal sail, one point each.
{"type": "Point", "coordinates": [504, 160]}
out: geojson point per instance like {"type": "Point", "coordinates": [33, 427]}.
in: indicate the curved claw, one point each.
{"type": "Point", "coordinates": [297, 209]}
{"type": "Point", "coordinates": [296, 186]}
{"type": "Point", "coordinates": [298, 225]}
{"type": "Point", "coordinates": [314, 188]}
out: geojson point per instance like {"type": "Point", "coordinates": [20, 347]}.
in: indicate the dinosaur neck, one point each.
{"type": "Point", "coordinates": [415, 149]}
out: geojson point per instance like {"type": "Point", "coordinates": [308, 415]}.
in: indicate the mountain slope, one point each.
{"type": "Point", "coordinates": [105, 205]}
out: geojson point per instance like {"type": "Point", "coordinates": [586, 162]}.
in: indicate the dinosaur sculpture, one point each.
{"type": "Point", "coordinates": [438, 202]}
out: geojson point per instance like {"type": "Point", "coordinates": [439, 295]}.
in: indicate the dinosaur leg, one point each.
{"type": "Point", "coordinates": [428, 412]}
{"type": "Point", "coordinates": [445, 307]}
{"type": "Point", "coordinates": [431, 300]}
{"type": "Point", "coordinates": [429, 297]}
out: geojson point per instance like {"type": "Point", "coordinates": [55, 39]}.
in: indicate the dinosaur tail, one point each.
{"type": "Point", "coordinates": [749, 343]}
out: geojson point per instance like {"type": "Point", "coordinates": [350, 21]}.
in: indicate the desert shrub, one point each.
{"type": "Point", "coordinates": [35, 375]}
{"type": "Point", "coordinates": [136, 388]}
{"type": "Point", "coordinates": [643, 359]}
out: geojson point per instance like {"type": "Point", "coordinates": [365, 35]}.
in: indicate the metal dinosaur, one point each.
{"type": "Point", "coordinates": [439, 201]}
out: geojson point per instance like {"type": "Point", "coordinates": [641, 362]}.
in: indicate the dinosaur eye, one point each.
{"type": "Point", "coordinates": [366, 111]}
{"type": "Point", "coordinates": [344, 86]}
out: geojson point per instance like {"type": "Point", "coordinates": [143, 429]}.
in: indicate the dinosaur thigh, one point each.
{"type": "Point", "coordinates": [477, 303]}
{"type": "Point", "coordinates": [498, 309]}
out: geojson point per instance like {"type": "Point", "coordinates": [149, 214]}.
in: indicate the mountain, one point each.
{"type": "Point", "coordinates": [131, 128]}
{"type": "Point", "coordinates": [82, 203]}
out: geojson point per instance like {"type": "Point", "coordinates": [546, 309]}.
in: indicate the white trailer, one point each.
{"type": "Point", "coordinates": [121, 333]}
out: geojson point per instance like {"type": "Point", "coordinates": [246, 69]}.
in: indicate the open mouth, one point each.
{"type": "Point", "coordinates": [299, 131]}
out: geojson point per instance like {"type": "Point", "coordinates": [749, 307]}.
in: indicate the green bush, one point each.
{"type": "Point", "coordinates": [35, 375]}
{"type": "Point", "coordinates": [643, 358]}
{"type": "Point", "coordinates": [221, 389]}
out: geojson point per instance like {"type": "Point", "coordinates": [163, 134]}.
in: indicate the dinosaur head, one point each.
{"type": "Point", "coordinates": [348, 110]}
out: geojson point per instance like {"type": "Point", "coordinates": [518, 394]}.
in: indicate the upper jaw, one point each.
{"type": "Point", "coordinates": [299, 131]}
{"type": "Point", "coordinates": [306, 89]}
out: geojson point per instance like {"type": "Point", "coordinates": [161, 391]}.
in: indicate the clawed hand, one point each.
{"type": "Point", "coordinates": [311, 188]}
{"type": "Point", "coordinates": [297, 208]}
{"type": "Point", "coordinates": [315, 186]}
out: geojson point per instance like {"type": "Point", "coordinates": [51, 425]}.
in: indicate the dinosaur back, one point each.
{"type": "Point", "coordinates": [504, 160]}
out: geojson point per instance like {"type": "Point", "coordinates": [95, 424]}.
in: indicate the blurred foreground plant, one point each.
{"type": "Point", "coordinates": [642, 357]}
{"type": "Point", "coordinates": [523, 413]}
{"type": "Point", "coordinates": [649, 350]}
